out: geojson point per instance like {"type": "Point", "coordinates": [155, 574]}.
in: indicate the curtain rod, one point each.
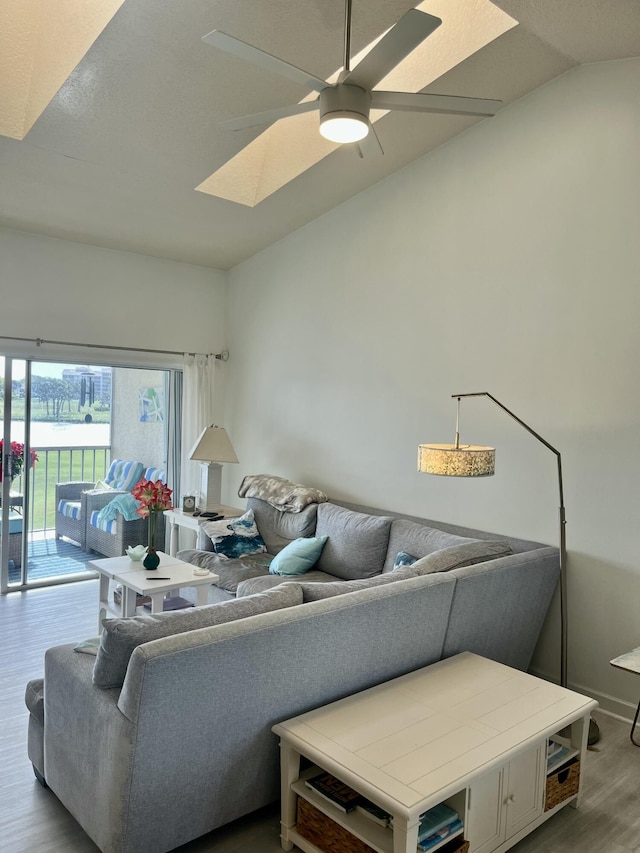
{"type": "Point", "coordinates": [221, 356]}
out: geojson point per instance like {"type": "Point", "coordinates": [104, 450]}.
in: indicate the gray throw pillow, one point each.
{"type": "Point", "coordinates": [357, 543]}
{"type": "Point", "coordinates": [457, 556]}
{"type": "Point", "coordinates": [121, 636]}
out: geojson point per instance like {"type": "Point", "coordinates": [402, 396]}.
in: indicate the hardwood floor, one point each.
{"type": "Point", "coordinates": [33, 821]}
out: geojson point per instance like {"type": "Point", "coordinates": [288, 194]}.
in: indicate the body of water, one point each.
{"type": "Point", "coordinates": [60, 434]}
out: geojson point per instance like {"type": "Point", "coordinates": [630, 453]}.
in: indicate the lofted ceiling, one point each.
{"type": "Point", "coordinates": [113, 154]}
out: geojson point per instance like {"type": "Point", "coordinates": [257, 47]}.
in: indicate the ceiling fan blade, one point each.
{"type": "Point", "coordinates": [412, 29]}
{"type": "Point", "coordinates": [264, 60]}
{"type": "Point", "coordinates": [423, 103]}
{"type": "Point", "coordinates": [269, 116]}
{"type": "Point", "coordinates": [370, 145]}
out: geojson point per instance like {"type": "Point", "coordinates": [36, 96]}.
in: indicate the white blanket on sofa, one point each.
{"type": "Point", "coordinates": [280, 493]}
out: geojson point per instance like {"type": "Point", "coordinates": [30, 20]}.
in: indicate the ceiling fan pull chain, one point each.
{"type": "Point", "coordinates": [347, 36]}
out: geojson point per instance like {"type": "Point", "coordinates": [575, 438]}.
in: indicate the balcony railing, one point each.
{"type": "Point", "coordinates": [59, 465]}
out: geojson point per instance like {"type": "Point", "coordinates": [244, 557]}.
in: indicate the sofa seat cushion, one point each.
{"type": "Point", "coordinates": [70, 509]}
{"type": "Point", "coordinates": [419, 540]}
{"type": "Point", "coordinates": [230, 572]}
{"type": "Point", "coordinates": [107, 525]}
{"type": "Point", "coordinates": [458, 556]}
{"type": "Point", "coordinates": [260, 584]}
{"type": "Point", "coordinates": [121, 636]}
{"type": "Point", "coordinates": [357, 543]}
{"type": "Point", "coordinates": [318, 591]}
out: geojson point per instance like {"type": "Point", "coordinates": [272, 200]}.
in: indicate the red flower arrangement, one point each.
{"type": "Point", "coordinates": [153, 496]}
{"type": "Point", "coordinates": [16, 459]}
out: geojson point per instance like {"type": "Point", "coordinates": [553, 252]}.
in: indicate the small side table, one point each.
{"type": "Point", "coordinates": [630, 661]}
{"type": "Point", "coordinates": [177, 518]}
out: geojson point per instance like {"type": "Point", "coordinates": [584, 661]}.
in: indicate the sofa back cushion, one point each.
{"type": "Point", "coordinates": [318, 591]}
{"type": "Point", "coordinates": [356, 545]}
{"type": "Point", "coordinates": [420, 540]}
{"type": "Point", "coordinates": [457, 556]}
{"type": "Point", "coordinates": [278, 528]}
{"type": "Point", "coordinates": [121, 636]}
{"type": "Point", "coordinates": [123, 474]}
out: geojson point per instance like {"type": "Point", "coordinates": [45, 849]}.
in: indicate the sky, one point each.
{"type": "Point", "coordinates": [39, 368]}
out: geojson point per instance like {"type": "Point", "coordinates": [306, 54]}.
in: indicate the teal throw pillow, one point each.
{"type": "Point", "coordinates": [298, 556]}
{"type": "Point", "coordinates": [403, 559]}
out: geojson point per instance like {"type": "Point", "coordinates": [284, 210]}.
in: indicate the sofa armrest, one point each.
{"type": "Point", "coordinates": [71, 491]}
{"type": "Point", "coordinates": [89, 744]}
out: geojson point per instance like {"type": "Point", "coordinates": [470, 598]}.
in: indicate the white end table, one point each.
{"type": "Point", "coordinates": [630, 661]}
{"type": "Point", "coordinates": [177, 518]}
{"type": "Point", "coordinates": [170, 575]}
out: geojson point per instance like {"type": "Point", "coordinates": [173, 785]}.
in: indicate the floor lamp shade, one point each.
{"type": "Point", "coordinates": [451, 460]}
{"type": "Point", "coordinates": [212, 447]}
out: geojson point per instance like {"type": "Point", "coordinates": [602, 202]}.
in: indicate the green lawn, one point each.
{"type": "Point", "coordinates": [60, 466]}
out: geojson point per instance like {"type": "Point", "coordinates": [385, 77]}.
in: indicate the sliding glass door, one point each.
{"type": "Point", "coordinates": [62, 424]}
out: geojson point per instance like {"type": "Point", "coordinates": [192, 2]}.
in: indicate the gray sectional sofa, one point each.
{"type": "Point", "coordinates": [166, 735]}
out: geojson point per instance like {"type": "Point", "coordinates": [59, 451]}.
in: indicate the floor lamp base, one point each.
{"type": "Point", "coordinates": [594, 732]}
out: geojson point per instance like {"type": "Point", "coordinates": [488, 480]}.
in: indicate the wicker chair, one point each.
{"type": "Point", "coordinates": [111, 539]}
{"type": "Point", "coordinates": [70, 521]}
{"type": "Point", "coordinates": [74, 500]}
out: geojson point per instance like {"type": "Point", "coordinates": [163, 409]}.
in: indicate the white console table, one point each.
{"type": "Point", "coordinates": [466, 731]}
{"type": "Point", "coordinates": [177, 518]}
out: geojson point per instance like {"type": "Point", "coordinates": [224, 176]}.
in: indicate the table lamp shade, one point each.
{"type": "Point", "coordinates": [211, 448]}
{"type": "Point", "coordinates": [213, 445]}
{"type": "Point", "coordinates": [450, 460]}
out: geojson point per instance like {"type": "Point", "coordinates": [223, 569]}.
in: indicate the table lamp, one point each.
{"type": "Point", "coordinates": [212, 447]}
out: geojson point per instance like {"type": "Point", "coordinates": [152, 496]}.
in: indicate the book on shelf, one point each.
{"type": "Point", "coordinates": [440, 835]}
{"type": "Point", "coordinates": [558, 757]}
{"type": "Point", "coordinates": [436, 818]}
{"type": "Point", "coordinates": [335, 791]}
{"type": "Point", "coordinates": [373, 812]}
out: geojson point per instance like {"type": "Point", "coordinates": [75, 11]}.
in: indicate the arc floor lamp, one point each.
{"type": "Point", "coordinates": [467, 460]}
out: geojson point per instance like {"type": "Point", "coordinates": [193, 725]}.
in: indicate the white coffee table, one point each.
{"type": "Point", "coordinates": [169, 577]}
{"type": "Point", "coordinates": [465, 731]}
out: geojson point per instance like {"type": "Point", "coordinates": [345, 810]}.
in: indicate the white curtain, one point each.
{"type": "Point", "coordinates": [197, 413]}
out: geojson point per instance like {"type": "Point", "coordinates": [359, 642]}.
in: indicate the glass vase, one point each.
{"type": "Point", "coordinates": [152, 560]}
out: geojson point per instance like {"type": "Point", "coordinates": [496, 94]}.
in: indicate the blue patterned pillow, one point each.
{"type": "Point", "coordinates": [235, 537]}
{"type": "Point", "coordinates": [403, 559]}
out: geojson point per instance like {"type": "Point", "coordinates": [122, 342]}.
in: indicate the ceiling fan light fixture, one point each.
{"type": "Point", "coordinates": [344, 126]}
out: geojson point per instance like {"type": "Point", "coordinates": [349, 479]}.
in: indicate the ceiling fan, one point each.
{"type": "Point", "coordinates": [344, 106]}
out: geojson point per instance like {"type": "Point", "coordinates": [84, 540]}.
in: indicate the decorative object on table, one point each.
{"type": "Point", "coordinates": [154, 498]}
{"type": "Point", "coordinates": [212, 447]}
{"type": "Point", "coordinates": [13, 462]}
{"type": "Point", "coordinates": [136, 552]}
{"type": "Point", "coordinates": [188, 503]}
{"type": "Point", "coordinates": [464, 460]}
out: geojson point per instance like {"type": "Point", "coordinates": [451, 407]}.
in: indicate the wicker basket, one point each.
{"type": "Point", "coordinates": [562, 784]}
{"type": "Point", "coordinates": [330, 837]}
{"type": "Point", "coordinates": [325, 833]}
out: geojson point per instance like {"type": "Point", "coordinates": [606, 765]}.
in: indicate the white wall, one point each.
{"type": "Point", "coordinates": [506, 261]}
{"type": "Point", "coordinates": [59, 290]}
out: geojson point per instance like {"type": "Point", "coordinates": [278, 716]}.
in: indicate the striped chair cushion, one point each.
{"type": "Point", "coordinates": [154, 474]}
{"type": "Point", "coordinates": [70, 508]}
{"type": "Point", "coordinates": [107, 526]}
{"type": "Point", "coordinates": [124, 474]}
